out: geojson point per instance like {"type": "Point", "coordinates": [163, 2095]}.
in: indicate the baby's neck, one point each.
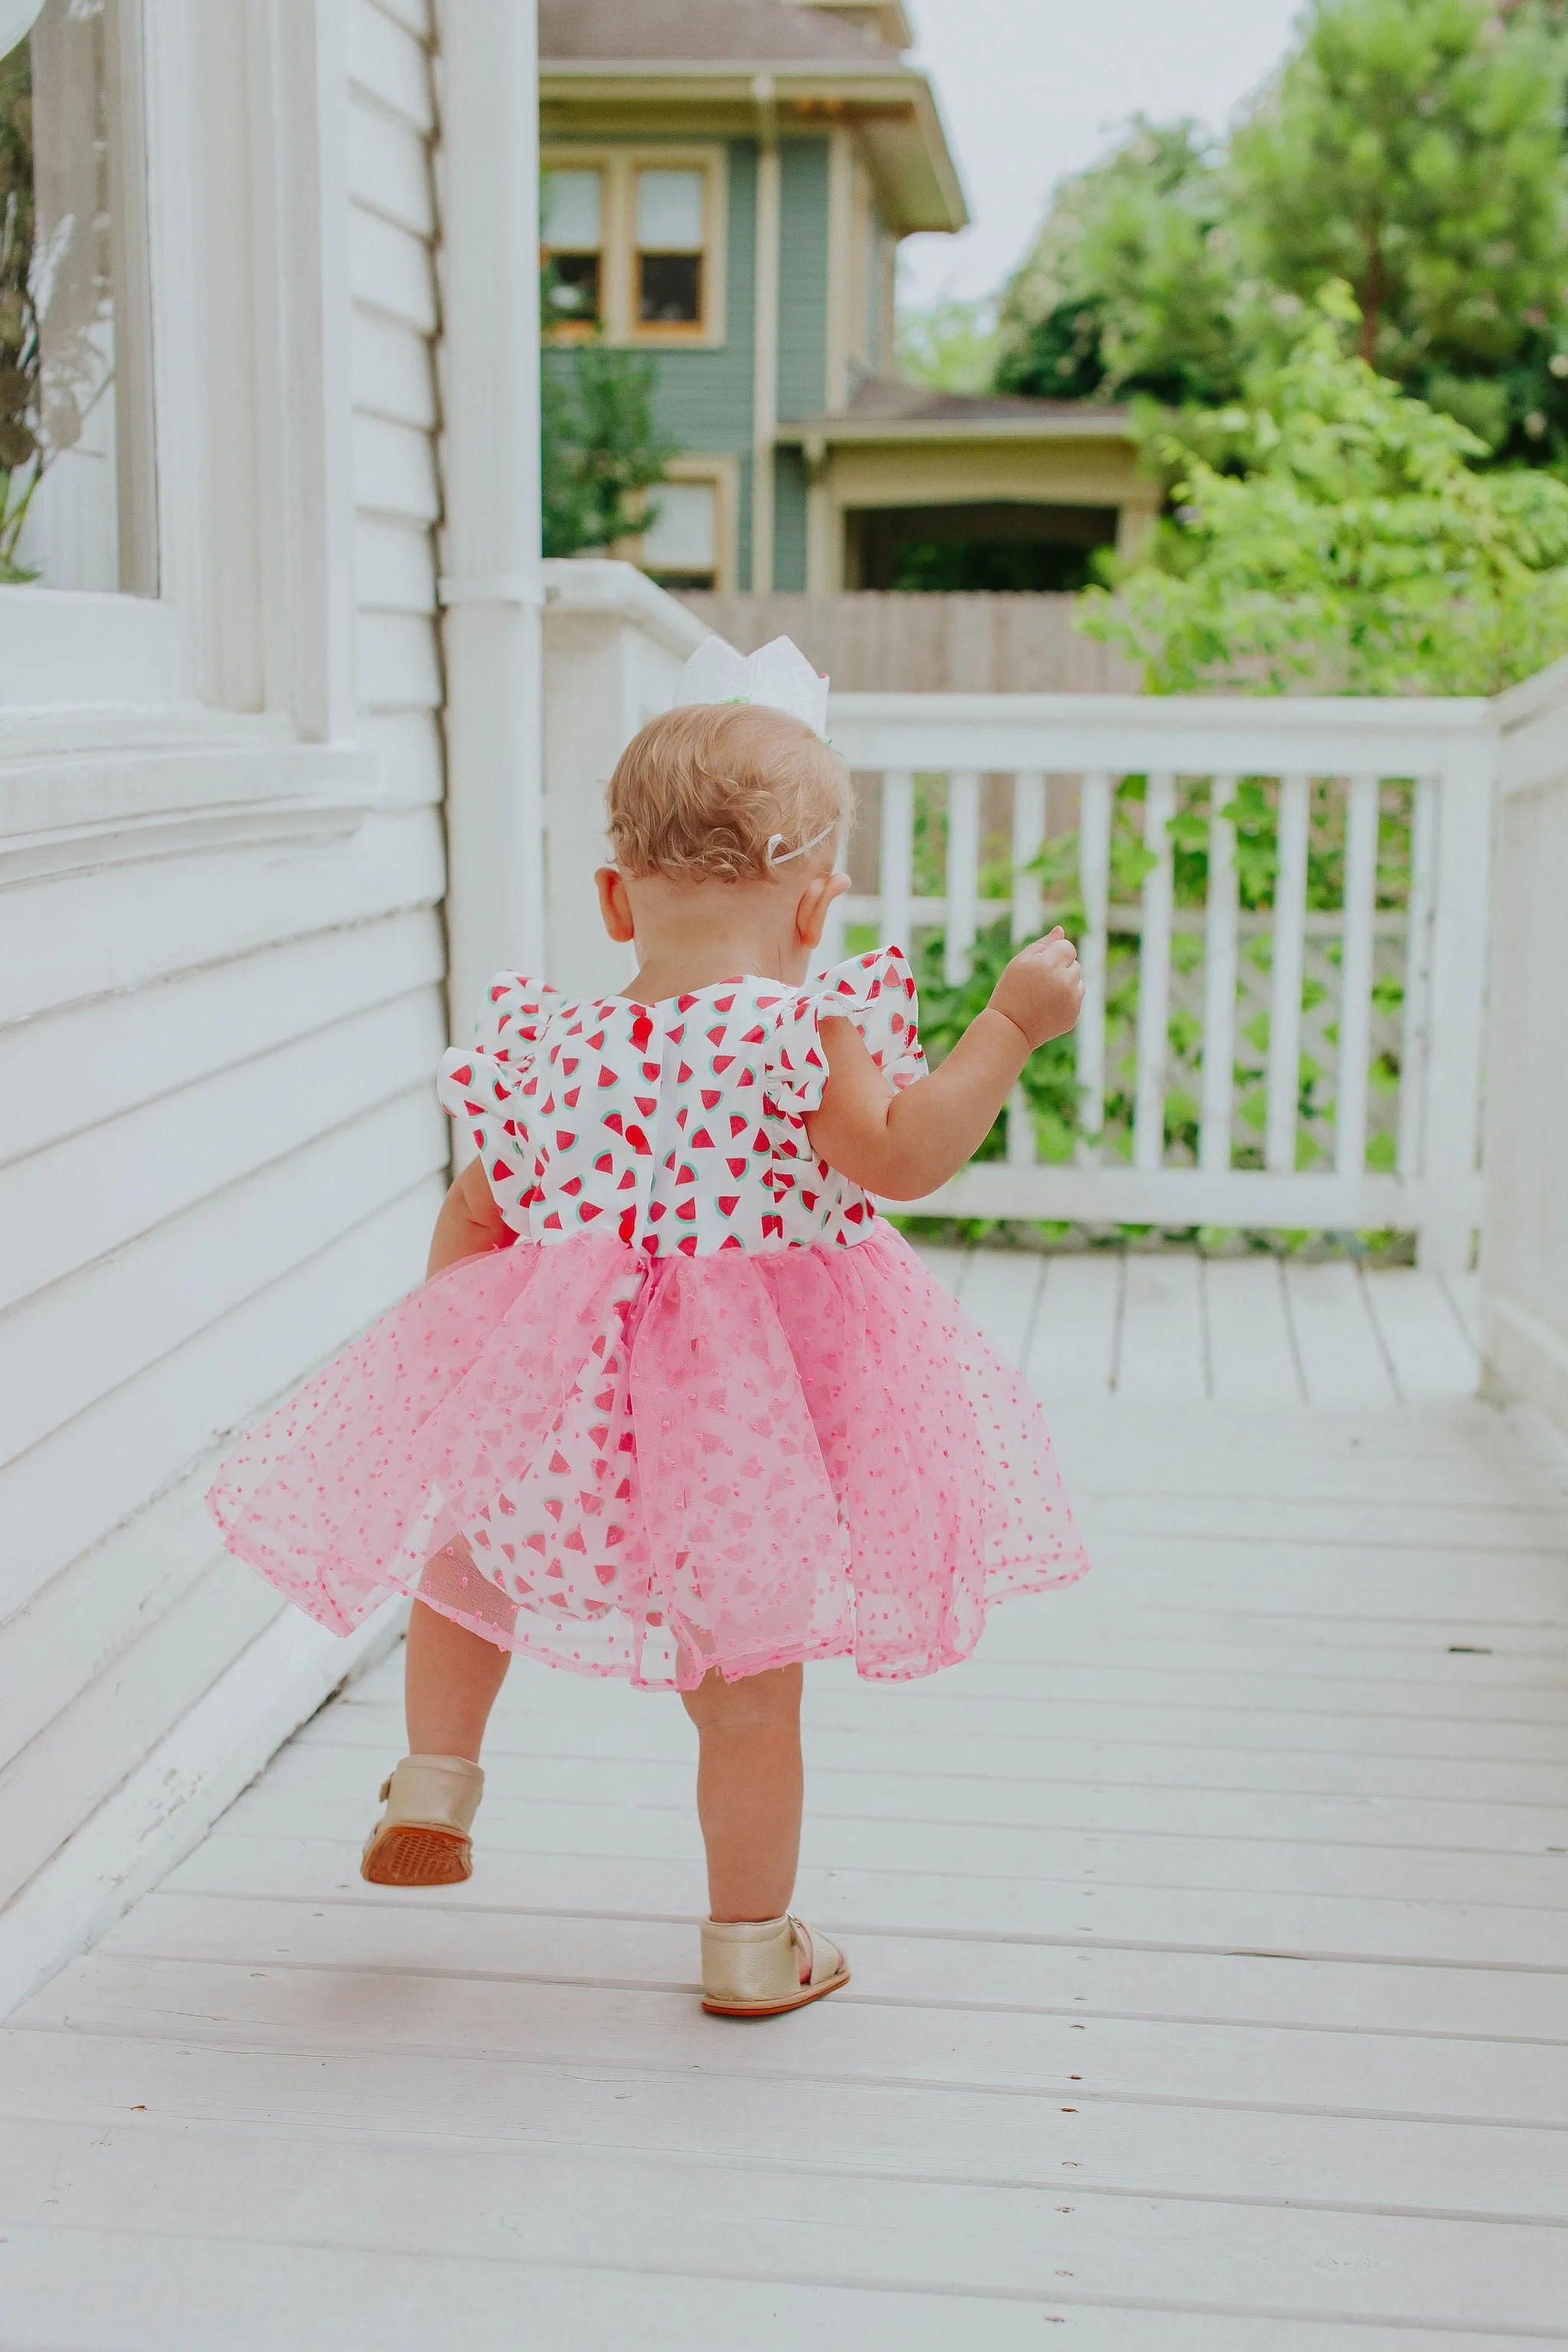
{"type": "Point", "coordinates": [682, 971]}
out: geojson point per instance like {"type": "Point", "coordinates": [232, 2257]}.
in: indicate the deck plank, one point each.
{"type": "Point", "coordinates": [1210, 1992]}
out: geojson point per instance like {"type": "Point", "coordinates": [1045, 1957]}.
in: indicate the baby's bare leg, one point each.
{"type": "Point", "coordinates": [749, 1790]}
{"type": "Point", "coordinates": [450, 1678]}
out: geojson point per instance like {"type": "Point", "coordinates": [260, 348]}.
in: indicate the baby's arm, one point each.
{"type": "Point", "coordinates": [904, 1145]}
{"type": "Point", "coordinates": [470, 1222]}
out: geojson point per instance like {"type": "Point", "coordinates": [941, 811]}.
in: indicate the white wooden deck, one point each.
{"type": "Point", "coordinates": [1210, 1935]}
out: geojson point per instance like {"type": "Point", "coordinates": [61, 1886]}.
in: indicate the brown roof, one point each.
{"type": "Point", "coordinates": [882, 400]}
{"type": "Point", "coordinates": [707, 32]}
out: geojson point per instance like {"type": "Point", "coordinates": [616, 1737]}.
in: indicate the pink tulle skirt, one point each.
{"type": "Point", "coordinates": [649, 1471]}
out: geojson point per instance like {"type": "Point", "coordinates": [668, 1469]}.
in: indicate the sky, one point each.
{"type": "Point", "coordinates": [1033, 89]}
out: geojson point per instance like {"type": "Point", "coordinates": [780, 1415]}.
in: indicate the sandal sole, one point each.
{"type": "Point", "coordinates": [774, 2008]}
{"type": "Point", "coordinates": [410, 1854]}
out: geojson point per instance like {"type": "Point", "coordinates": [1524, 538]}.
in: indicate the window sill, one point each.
{"type": "Point", "coordinates": [66, 646]}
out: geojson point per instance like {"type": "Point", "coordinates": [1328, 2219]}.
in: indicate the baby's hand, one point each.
{"type": "Point", "coordinates": [1041, 992]}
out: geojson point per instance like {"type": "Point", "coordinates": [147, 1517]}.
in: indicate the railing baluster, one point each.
{"type": "Point", "coordinates": [963, 873]}
{"type": "Point", "coordinates": [1028, 839]}
{"type": "Point", "coordinates": [897, 876]}
{"type": "Point", "coordinates": [1355, 977]}
{"type": "Point", "coordinates": [1220, 968]}
{"type": "Point", "coordinates": [1154, 977]}
{"type": "Point", "coordinates": [1414, 1042]}
{"type": "Point", "coordinates": [1289, 944]}
{"type": "Point", "coordinates": [1094, 879]}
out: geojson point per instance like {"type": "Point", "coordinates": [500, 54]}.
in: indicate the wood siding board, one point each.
{"type": "Point", "coordinates": [399, 662]}
{"type": "Point", "coordinates": [392, 272]}
{"type": "Point", "coordinates": [395, 565]}
{"type": "Point", "coordinates": [702, 399]}
{"type": "Point", "coordinates": [72, 1631]}
{"type": "Point", "coordinates": [126, 925]}
{"type": "Point", "coordinates": [410, 756]}
{"type": "Point", "coordinates": [389, 169]}
{"type": "Point", "coordinates": [395, 470]}
{"type": "Point", "coordinates": [387, 62]}
{"type": "Point", "coordinates": [66, 1073]}
{"type": "Point", "coordinates": [804, 174]}
{"type": "Point", "coordinates": [57, 1215]}
{"type": "Point", "coordinates": [62, 1775]}
{"type": "Point", "coordinates": [393, 369]}
{"type": "Point", "coordinates": [100, 1466]}
{"type": "Point", "coordinates": [67, 1347]}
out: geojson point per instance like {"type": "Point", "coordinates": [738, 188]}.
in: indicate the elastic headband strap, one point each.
{"type": "Point", "coordinates": [775, 842]}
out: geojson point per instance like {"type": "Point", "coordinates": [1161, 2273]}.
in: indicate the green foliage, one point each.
{"type": "Point", "coordinates": [19, 452]}
{"type": "Point", "coordinates": [1349, 542]}
{"type": "Point", "coordinates": [601, 450]}
{"type": "Point", "coordinates": [1132, 284]}
{"type": "Point", "coordinates": [1413, 148]}
{"type": "Point", "coordinates": [952, 345]}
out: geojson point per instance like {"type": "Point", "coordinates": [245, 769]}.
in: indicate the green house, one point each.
{"type": "Point", "coordinates": [726, 184]}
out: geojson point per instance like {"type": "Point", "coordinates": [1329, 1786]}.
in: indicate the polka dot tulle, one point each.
{"type": "Point", "coordinates": [650, 1467]}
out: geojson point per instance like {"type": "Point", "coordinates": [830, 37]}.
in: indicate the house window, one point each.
{"type": "Point", "coordinates": [669, 249]}
{"type": "Point", "coordinates": [680, 546]}
{"type": "Point", "coordinates": [633, 240]}
{"type": "Point", "coordinates": [573, 238]}
{"type": "Point", "coordinates": [76, 500]}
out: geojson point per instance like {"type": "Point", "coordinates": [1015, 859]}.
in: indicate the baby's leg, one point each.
{"type": "Point", "coordinates": [450, 1678]}
{"type": "Point", "coordinates": [749, 1790]}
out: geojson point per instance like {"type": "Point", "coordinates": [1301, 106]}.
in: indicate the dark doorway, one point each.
{"type": "Point", "coordinates": [1008, 546]}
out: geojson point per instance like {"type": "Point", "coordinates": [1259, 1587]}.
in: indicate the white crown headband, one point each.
{"type": "Point", "coordinates": [780, 678]}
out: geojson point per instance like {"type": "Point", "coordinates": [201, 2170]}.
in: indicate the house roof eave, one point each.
{"type": "Point", "coordinates": [892, 106]}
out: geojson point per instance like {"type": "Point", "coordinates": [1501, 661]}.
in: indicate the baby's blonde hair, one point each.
{"type": "Point", "coordinates": [699, 792]}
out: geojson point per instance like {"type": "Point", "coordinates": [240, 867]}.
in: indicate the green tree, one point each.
{"type": "Point", "coordinates": [601, 450]}
{"type": "Point", "coordinates": [1133, 283]}
{"type": "Point", "coordinates": [1349, 542]}
{"type": "Point", "coordinates": [1414, 148]}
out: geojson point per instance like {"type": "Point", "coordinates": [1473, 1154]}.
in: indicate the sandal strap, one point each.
{"type": "Point", "coordinates": [443, 1791]}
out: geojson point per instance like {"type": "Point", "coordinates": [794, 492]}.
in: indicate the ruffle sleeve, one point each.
{"type": "Point", "coordinates": [876, 992]}
{"type": "Point", "coordinates": [480, 1087]}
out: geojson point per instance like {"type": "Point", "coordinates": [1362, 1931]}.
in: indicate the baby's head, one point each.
{"type": "Point", "coordinates": [728, 792]}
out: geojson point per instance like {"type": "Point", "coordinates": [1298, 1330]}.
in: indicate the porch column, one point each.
{"type": "Point", "coordinates": [491, 585]}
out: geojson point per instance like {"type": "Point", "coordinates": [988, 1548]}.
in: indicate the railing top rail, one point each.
{"type": "Point", "coordinates": [1130, 733]}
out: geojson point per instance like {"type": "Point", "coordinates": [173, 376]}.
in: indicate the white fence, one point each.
{"type": "Point", "coordinates": [1387, 998]}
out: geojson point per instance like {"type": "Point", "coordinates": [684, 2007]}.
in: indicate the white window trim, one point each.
{"type": "Point", "coordinates": [250, 413]}
{"type": "Point", "coordinates": [617, 230]}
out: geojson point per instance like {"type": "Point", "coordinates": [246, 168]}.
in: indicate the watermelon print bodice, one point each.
{"type": "Point", "coordinates": [680, 1126]}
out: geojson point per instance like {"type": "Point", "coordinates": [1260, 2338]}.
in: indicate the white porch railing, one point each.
{"type": "Point", "coordinates": [1394, 992]}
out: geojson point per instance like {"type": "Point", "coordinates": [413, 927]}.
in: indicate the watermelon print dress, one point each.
{"type": "Point", "coordinates": [708, 1410]}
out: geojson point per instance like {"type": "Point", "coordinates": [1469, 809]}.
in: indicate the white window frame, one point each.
{"type": "Point", "coordinates": [619, 168]}
{"type": "Point", "coordinates": [243, 338]}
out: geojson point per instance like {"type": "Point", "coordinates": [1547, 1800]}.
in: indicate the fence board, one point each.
{"type": "Point", "coordinates": [962, 874]}
{"type": "Point", "coordinates": [880, 643]}
{"type": "Point", "coordinates": [1094, 872]}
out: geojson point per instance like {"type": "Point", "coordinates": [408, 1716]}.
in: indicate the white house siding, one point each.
{"type": "Point", "coordinates": [393, 264]}
{"type": "Point", "coordinates": [221, 965]}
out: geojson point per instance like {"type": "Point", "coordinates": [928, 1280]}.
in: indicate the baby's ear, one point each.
{"type": "Point", "coordinates": [811, 913]}
{"type": "Point", "coordinates": [614, 905]}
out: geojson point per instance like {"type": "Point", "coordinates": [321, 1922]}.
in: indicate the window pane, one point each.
{"type": "Point", "coordinates": [573, 290]}
{"type": "Point", "coordinates": [670, 209]}
{"type": "Point", "coordinates": [67, 455]}
{"type": "Point", "coordinates": [571, 201]}
{"type": "Point", "coordinates": [670, 290]}
{"type": "Point", "coordinates": [681, 536]}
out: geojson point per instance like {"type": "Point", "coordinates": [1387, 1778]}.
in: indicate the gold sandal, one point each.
{"type": "Point", "coordinates": [759, 1967]}
{"type": "Point", "coordinates": [422, 1839]}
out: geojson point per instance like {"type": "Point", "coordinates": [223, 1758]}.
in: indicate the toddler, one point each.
{"type": "Point", "coordinates": [674, 1403]}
